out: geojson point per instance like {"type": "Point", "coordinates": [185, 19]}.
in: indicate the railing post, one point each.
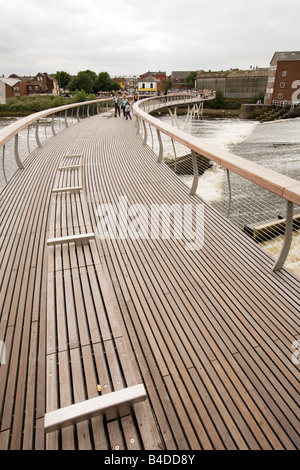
{"type": "Point", "coordinates": [77, 114]}
{"type": "Point", "coordinates": [161, 150]}
{"type": "Point", "coordinates": [38, 142]}
{"type": "Point", "coordinates": [229, 193]}
{"type": "Point", "coordinates": [196, 174]}
{"type": "Point", "coordinates": [287, 238]}
{"type": "Point", "coordinates": [52, 126]}
{"type": "Point", "coordinates": [16, 151]}
{"type": "Point", "coordinates": [3, 166]}
{"type": "Point", "coordinates": [66, 118]}
{"type": "Point", "coordinates": [145, 133]}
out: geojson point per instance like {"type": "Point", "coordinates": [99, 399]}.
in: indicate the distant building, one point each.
{"type": "Point", "coordinates": [150, 85]}
{"type": "Point", "coordinates": [36, 85]}
{"type": "Point", "coordinates": [159, 75]}
{"type": "Point", "coordinates": [234, 83]}
{"type": "Point", "coordinates": [9, 87]}
{"type": "Point", "coordinates": [178, 79]}
{"type": "Point", "coordinates": [284, 78]}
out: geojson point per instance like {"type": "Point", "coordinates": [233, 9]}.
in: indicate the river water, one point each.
{"type": "Point", "coordinates": [275, 145]}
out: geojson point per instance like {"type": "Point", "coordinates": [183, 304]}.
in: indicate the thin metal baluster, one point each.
{"type": "Point", "coordinates": [3, 166]}
{"type": "Point", "coordinates": [145, 133]}
{"type": "Point", "coordinates": [38, 142]}
{"type": "Point", "coordinates": [161, 149]}
{"type": "Point", "coordinates": [287, 238]}
{"type": "Point", "coordinates": [28, 140]}
{"type": "Point", "coordinates": [229, 193]}
{"type": "Point", "coordinates": [196, 174]}
{"type": "Point", "coordinates": [52, 125]}
{"type": "Point", "coordinates": [16, 152]}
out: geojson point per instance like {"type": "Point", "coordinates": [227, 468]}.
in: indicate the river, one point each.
{"type": "Point", "coordinates": [275, 145]}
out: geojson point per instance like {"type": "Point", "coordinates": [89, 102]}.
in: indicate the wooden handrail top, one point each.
{"type": "Point", "coordinates": [279, 184]}
{"type": "Point", "coordinates": [10, 131]}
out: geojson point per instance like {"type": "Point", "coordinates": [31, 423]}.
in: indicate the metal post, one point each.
{"type": "Point", "coordinates": [38, 142]}
{"type": "Point", "coordinates": [196, 174]}
{"type": "Point", "coordinates": [287, 238]}
{"type": "Point", "coordinates": [66, 118]}
{"type": "Point", "coordinates": [145, 134]}
{"type": "Point", "coordinates": [161, 150]}
{"type": "Point", "coordinates": [229, 193]}
{"type": "Point", "coordinates": [16, 151]}
{"type": "Point", "coordinates": [52, 126]}
{"type": "Point", "coordinates": [28, 140]}
{"type": "Point", "coordinates": [3, 167]}
{"type": "Point", "coordinates": [77, 114]}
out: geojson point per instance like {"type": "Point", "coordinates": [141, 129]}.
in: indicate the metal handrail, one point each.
{"type": "Point", "coordinates": [281, 185]}
{"type": "Point", "coordinates": [12, 131]}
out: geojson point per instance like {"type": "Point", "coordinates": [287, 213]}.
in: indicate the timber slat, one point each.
{"type": "Point", "coordinates": [207, 332]}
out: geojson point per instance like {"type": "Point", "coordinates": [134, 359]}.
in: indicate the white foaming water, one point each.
{"type": "Point", "coordinates": [223, 133]}
{"type": "Point", "coordinates": [228, 132]}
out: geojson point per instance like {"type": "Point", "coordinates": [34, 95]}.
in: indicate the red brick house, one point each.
{"type": "Point", "coordinates": [9, 87]}
{"type": "Point", "coordinates": [39, 84]}
{"type": "Point", "coordinates": [158, 75]}
{"type": "Point", "coordinates": [179, 80]}
{"type": "Point", "coordinates": [284, 79]}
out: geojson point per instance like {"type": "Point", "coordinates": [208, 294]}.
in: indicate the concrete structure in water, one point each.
{"type": "Point", "coordinates": [234, 83]}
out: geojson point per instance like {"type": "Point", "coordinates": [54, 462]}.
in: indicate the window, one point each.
{"type": "Point", "coordinates": [282, 84]}
{"type": "Point", "coordinates": [151, 85]}
{"type": "Point", "coordinates": [143, 86]}
{"type": "Point", "coordinates": [284, 73]}
{"type": "Point", "coordinates": [280, 96]}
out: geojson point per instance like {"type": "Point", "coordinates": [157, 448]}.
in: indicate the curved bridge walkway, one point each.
{"type": "Point", "coordinates": [209, 333]}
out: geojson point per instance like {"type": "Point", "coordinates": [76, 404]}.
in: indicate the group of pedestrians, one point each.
{"type": "Point", "coordinates": [124, 104]}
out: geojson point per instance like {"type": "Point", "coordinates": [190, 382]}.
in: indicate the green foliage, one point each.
{"type": "Point", "coordinates": [83, 81]}
{"type": "Point", "coordinates": [105, 83]}
{"type": "Point", "coordinates": [80, 96]}
{"type": "Point", "coordinates": [63, 78]}
{"type": "Point", "coordinates": [167, 84]}
{"type": "Point", "coordinates": [191, 78]}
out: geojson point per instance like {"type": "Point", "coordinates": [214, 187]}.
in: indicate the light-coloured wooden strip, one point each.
{"type": "Point", "coordinates": [77, 239]}
{"type": "Point", "coordinates": [69, 167]}
{"type": "Point", "coordinates": [121, 401]}
{"type": "Point", "coordinates": [71, 189]}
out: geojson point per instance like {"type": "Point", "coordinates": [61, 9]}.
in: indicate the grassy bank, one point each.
{"type": "Point", "coordinates": [25, 105]}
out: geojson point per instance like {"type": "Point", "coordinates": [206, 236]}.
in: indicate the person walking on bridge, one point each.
{"type": "Point", "coordinates": [117, 104]}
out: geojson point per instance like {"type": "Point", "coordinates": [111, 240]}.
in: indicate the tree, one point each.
{"type": "Point", "coordinates": [105, 83]}
{"type": "Point", "coordinates": [84, 80]}
{"type": "Point", "coordinates": [167, 84]}
{"type": "Point", "coordinates": [191, 78]}
{"type": "Point", "coordinates": [62, 79]}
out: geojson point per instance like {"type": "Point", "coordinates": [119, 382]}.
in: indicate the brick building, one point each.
{"type": "Point", "coordinates": [178, 79]}
{"type": "Point", "coordinates": [284, 79]}
{"type": "Point", "coordinates": [158, 75]}
{"type": "Point", "coordinates": [9, 87]}
{"type": "Point", "coordinates": [35, 85]}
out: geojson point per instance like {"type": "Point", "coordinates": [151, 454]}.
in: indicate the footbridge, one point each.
{"type": "Point", "coordinates": [122, 331]}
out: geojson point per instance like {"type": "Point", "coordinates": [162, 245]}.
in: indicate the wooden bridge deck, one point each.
{"type": "Point", "coordinates": [207, 332]}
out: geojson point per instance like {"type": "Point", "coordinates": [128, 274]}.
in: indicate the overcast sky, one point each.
{"type": "Point", "coordinates": [130, 37]}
